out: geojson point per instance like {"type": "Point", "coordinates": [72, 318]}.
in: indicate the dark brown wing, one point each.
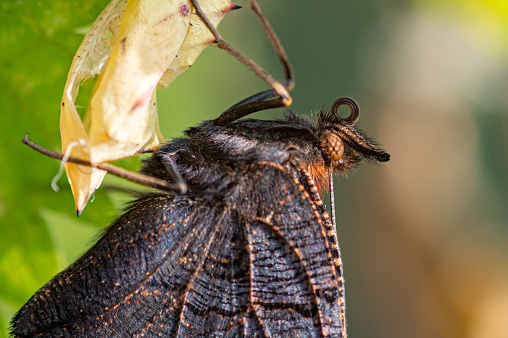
{"type": "Point", "coordinates": [296, 289]}
{"type": "Point", "coordinates": [255, 264]}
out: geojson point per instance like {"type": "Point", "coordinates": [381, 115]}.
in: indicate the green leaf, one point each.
{"type": "Point", "coordinates": [37, 43]}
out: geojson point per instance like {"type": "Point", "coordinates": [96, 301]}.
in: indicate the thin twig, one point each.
{"type": "Point", "coordinates": [139, 178]}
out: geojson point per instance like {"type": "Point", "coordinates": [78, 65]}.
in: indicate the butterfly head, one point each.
{"type": "Point", "coordinates": [343, 145]}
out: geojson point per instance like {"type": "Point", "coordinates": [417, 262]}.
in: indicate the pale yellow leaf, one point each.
{"type": "Point", "coordinates": [151, 42]}
{"type": "Point", "coordinates": [88, 61]}
{"type": "Point", "coordinates": [198, 37]}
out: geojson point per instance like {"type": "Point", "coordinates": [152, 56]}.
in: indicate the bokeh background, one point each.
{"type": "Point", "coordinates": [424, 237]}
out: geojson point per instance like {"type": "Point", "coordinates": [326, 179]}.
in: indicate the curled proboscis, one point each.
{"type": "Point", "coordinates": [355, 110]}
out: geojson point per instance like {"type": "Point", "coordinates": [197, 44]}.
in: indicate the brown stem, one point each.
{"type": "Point", "coordinates": [139, 178]}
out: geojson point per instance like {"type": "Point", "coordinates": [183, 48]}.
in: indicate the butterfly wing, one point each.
{"type": "Point", "coordinates": [133, 280]}
{"type": "Point", "coordinates": [296, 289]}
{"type": "Point", "coordinates": [256, 263]}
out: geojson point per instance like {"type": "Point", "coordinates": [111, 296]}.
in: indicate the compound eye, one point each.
{"type": "Point", "coordinates": [334, 146]}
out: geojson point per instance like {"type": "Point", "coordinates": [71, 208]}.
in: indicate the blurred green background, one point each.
{"type": "Point", "coordinates": [424, 237]}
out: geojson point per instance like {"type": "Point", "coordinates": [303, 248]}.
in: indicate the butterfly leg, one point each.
{"type": "Point", "coordinates": [153, 182]}
{"type": "Point", "coordinates": [276, 97]}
